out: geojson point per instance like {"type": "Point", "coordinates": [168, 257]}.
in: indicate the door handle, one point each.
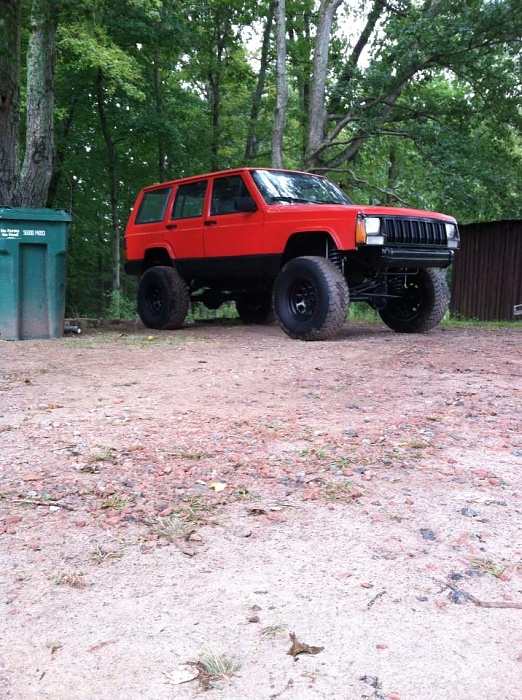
{"type": "Point", "coordinates": [211, 222]}
{"type": "Point", "coordinates": [169, 226]}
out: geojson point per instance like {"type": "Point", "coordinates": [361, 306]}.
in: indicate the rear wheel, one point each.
{"type": "Point", "coordinates": [163, 298]}
{"type": "Point", "coordinates": [311, 298]}
{"type": "Point", "coordinates": [421, 302]}
{"type": "Point", "coordinates": [256, 307]}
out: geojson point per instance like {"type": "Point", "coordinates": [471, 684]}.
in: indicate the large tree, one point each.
{"type": "Point", "coordinates": [407, 101]}
{"type": "Point", "coordinates": [408, 44]}
{"type": "Point", "coordinates": [26, 182]}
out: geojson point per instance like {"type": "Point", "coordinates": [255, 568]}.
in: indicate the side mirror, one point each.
{"type": "Point", "coordinates": [244, 204]}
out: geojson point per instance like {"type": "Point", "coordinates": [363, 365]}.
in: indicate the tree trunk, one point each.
{"type": "Point", "coordinates": [9, 102]}
{"type": "Point", "coordinates": [390, 199]}
{"type": "Point", "coordinates": [214, 98]}
{"type": "Point", "coordinates": [63, 131]}
{"type": "Point", "coordinates": [281, 85]}
{"type": "Point", "coordinates": [317, 114]}
{"type": "Point", "coordinates": [350, 67]}
{"type": "Point", "coordinates": [250, 148]}
{"type": "Point", "coordinates": [162, 155]}
{"type": "Point", "coordinates": [37, 167]}
{"type": "Point", "coordinates": [113, 182]}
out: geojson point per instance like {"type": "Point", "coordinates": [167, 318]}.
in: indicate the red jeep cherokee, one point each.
{"type": "Point", "coordinates": [285, 243]}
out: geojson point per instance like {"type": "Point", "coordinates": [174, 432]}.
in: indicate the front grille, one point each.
{"type": "Point", "coordinates": [405, 231]}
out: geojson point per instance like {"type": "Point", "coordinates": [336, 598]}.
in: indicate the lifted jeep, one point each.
{"type": "Point", "coordinates": [285, 244]}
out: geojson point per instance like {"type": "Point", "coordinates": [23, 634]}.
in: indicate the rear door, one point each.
{"type": "Point", "coordinates": [185, 226]}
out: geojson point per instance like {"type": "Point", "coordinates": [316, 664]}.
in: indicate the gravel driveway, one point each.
{"type": "Point", "coordinates": [213, 490]}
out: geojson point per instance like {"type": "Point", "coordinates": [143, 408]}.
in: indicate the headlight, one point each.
{"type": "Point", "coordinates": [373, 226]}
{"type": "Point", "coordinates": [369, 231]}
{"type": "Point", "coordinates": [452, 235]}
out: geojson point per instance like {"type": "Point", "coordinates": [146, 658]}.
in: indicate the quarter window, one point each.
{"type": "Point", "coordinates": [153, 205]}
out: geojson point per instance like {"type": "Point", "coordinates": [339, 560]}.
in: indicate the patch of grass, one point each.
{"type": "Point", "coordinates": [191, 454]}
{"type": "Point", "coordinates": [102, 455]}
{"type": "Point", "coordinates": [360, 311]}
{"type": "Point", "coordinates": [417, 444]}
{"type": "Point", "coordinates": [73, 579]}
{"type": "Point", "coordinates": [341, 491]}
{"type": "Point", "coordinates": [274, 630]}
{"type": "Point", "coordinates": [170, 527]}
{"type": "Point", "coordinates": [461, 322]}
{"type": "Point", "coordinates": [193, 509]}
{"type": "Point", "coordinates": [100, 555]}
{"type": "Point", "coordinates": [314, 452]}
{"type": "Point", "coordinates": [199, 312]}
{"type": "Point", "coordinates": [395, 453]}
{"type": "Point", "coordinates": [488, 566]}
{"type": "Point", "coordinates": [215, 667]}
{"type": "Point", "coordinates": [343, 463]}
{"type": "Point", "coordinates": [243, 494]}
{"type": "Point", "coordinates": [116, 502]}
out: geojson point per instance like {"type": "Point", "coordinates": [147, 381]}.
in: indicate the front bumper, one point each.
{"type": "Point", "coordinates": [386, 257]}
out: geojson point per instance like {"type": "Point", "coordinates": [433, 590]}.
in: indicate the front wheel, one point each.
{"type": "Point", "coordinates": [420, 303]}
{"type": "Point", "coordinates": [311, 298]}
{"type": "Point", "coordinates": [163, 298]}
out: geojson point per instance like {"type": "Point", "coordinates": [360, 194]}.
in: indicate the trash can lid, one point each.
{"type": "Point", "coordinates": [33, 214]}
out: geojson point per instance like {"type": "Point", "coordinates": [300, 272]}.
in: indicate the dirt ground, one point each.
{"type": "Point", "coordinates": [175, 497]}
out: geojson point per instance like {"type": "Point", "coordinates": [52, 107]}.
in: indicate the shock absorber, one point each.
{"type": "Point", "coordinates": [335, 255]}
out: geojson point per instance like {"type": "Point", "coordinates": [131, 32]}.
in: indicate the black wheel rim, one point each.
{"type": "Point", "coordinates": [408, 308]}
{"type": "Point", "coordinates": [303, 299]}
{"type": "Point", "coordinates": [155, 300]}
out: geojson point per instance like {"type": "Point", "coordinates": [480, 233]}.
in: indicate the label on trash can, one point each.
{"type": "Point", "coordinates": [15, 232]}
{"type": "Point", "coordinates": [33, 232]}
{"type": "Point", "coordinates": [9, 232]}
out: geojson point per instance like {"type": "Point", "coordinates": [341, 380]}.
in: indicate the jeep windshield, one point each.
{"type": "Point", "coordinates": [284, 187]}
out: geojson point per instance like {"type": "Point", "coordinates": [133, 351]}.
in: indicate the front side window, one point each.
{"type": "Point", "coordinates": [153, 205]}
{"type": "Point", "coordinates": [283, 187]}
{"type": "Point", "coordinates": [189, 200]}
{"type": "Point", "coordinates": [224, 194]}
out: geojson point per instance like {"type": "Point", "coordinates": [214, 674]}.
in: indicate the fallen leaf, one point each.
{"type": "Point", "coordinates": [218, 486]}
{"type": "Point", "coordinates": [183, 674]}
{"type": "Point", "coordinates": [476, 498]}
{"type": "Point", "coordinates": [299, 648]}
{"type": "Point", "coordinates": [257, 511]}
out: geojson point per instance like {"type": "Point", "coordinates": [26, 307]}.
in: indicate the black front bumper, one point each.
{"type": "Point", "coordinates": [386, 257]}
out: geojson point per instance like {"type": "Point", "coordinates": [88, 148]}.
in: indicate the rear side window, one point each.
{"type": "Point", "coordinates": [189, 200]}
{"type": "Point", "coordinates": [153, 205]}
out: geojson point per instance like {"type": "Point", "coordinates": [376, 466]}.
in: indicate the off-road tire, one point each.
{"type": "Point", "coordinates": [311, 298]}
{"type": "Point", "coordinates": [163, 298]}
{"type": "Point", "coordinates": [256, 307]}
{"type": "Point", "coordinates": [423, 303]}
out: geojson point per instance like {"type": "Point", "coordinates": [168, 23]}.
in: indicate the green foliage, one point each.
{"type": "Point", "coordinates": [120, 306]}
{"type": "Point", "coordinates": [429, 95]}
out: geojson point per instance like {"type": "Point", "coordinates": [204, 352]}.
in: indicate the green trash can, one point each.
{"type": "Point", "coordinates": [33, 244]}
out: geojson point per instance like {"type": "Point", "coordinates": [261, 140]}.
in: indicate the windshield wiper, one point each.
{"type": "Point", "coordinates": [292, 199]}
{"type": "Point", "coordinates": [300, 200]}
